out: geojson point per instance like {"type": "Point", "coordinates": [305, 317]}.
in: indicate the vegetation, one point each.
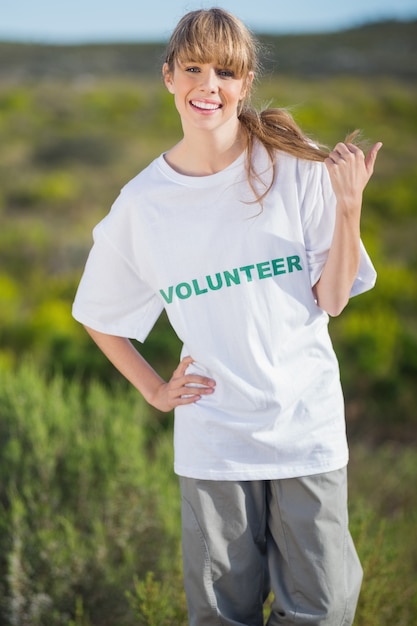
{"type": "Point", "coordinates": [89, 531]}
{"type": "Point", "coordinates": [66, 149]}
{"type": "Point", "coordinates": [89, 512]}
{"type": "Point", "coordinates": [380, 49]}
{"type": "Point", "coordinates": [87, 502]}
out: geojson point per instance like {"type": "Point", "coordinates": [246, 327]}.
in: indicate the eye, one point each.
{"type": "Point", "coordinates": [192, 69]}
{"type": "Point", "coordinates": [226, 73]}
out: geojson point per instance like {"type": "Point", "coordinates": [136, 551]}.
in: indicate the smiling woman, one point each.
{"type": "Point", "coordinates": [209, 67]}
{"type": "Point", "coordinates": [260, 438]}
{"type": "Point", "coordinates": [207, 97]}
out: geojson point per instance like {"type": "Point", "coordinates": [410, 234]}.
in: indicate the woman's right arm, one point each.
{"type": "Point", "coordinates": [162, 395]}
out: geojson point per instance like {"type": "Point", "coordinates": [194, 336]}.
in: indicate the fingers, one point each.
{"type": "Point", "coordinates": [186, 388]}
{"type": "Point", "coordinates": [191, 380]}
{"type": "Point", "coordinates": [371, 157]}
{"type": "Point", "coordinates": [182, 366]}
{"type": "Point", "coordinates": [350, 170]}
{"type": "Point", "coordinates": [343, 152]}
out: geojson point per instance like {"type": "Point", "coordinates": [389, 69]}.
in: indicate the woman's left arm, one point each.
{"type": "Point", "coordinates": [349, 170]}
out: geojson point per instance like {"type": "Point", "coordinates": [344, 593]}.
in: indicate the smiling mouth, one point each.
{"type": "Point", "coordinates": [206, 106]}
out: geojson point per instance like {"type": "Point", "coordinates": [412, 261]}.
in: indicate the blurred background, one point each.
{"type": "Point", "coordinates": [89, 531]}
{"type": "Point", "coordinates": [130, 20]}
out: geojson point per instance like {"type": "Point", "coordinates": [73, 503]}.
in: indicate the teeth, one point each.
{"type": "Point", "coordinates": [208, 106]}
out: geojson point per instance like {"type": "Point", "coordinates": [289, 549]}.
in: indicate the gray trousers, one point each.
{"type": "Point", "coordinates": [243, 539]}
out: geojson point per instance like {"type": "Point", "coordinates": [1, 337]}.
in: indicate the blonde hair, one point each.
{"type": "Point", "coordinates": [215, 35]}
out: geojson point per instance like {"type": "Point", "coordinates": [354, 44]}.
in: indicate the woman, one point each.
{"type": "Point", "coordinates": [249, 236]}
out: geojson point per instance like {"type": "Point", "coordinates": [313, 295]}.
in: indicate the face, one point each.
{"type": "Point", "coordinates": [207, 96]}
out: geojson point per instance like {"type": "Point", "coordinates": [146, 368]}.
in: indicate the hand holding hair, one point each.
{"type": "Point", "coordinates": [350, 170]}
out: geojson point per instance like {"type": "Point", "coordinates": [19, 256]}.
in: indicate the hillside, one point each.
{"type": "Point", "coordinates": [89, 503]}
{"type": "Point", "coordinates": [76, 122]}
{"type": "Point", "coordinates": [381, 49]}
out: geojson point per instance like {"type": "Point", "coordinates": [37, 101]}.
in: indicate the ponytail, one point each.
{"type": "Point", "coordinates": [276, 129]}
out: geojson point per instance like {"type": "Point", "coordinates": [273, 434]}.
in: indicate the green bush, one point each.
{"type": "Point", "coordinates": [89, 531]}
{"type": "Point", "coordinates": [383, 516]}
{"type": "Point", "coordinates": [65, 151]}
{"type": "Point", "coordinates": [85, 504]}
{"type": "Point", "coordinates": [89, 512]}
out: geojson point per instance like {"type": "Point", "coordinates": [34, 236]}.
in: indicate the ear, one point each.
{"type": "Point", "coordinates": [247, 85]}
{"type": "Point", "coordinates": [167, 76]}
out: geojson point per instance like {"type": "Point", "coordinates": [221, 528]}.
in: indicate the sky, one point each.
{"type": "Point", "coordinates": [80, 21]}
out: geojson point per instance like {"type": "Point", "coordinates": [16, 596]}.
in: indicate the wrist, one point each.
{"type": "Point", "coordinates": [349, 211]}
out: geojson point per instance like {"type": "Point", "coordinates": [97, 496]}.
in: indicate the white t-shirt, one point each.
{"type": "Point", "coordinates": [236, 282]}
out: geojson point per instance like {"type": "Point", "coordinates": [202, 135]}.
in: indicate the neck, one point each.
{"type": "Point", "coordinates": [203, 154]}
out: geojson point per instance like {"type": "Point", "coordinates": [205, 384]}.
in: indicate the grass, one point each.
{"type": "Point", "coordinates": [89, 514]}
{"type": "Point", "coordinates": [89, 507]}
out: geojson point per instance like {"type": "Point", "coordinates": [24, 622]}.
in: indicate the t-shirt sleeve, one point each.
{"type": "Point", "coordinates": [318, 216]}
{"type": "Point", "coordinates": [112, 297]}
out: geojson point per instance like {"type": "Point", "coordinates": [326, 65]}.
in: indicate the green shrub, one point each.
{"type": "Point", "coordinates": [82, 506]}
{"type": "Point", "coordinates": [46, 190]}
{"type": "Point", "coordinates": [158, 603]}
{"type": "Point", "coordinates": [89, 512]}
{"type": "Point", "coordinates": [77, 539]}
{"type": "Point", "coordinates": [383, 519]}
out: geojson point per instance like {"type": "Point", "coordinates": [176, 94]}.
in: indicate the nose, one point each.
{"type": "Point", "coordinates": [209, 81]}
